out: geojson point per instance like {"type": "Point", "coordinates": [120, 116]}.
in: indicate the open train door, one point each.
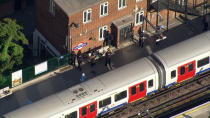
{"type": "Point", "coordinates": [186, 71]}
{"type": "Point", "coordinates": [137, 91]}
{"type": "Point", "coordinates": [88, 111]}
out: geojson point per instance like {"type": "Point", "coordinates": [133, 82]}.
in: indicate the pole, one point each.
{"type": "Point", "coordinates": [175, 8]}
{"type": "Point", "coordinates": [168, 15]}
{"type": "Point", "coordinates": [157, 14]}
{"type": "Point", "coordinates": [70, 40]}
{"type": "Point", "coordinates": [186, 9]}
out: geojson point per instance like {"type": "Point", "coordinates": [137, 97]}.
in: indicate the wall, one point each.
{"type": "Point", "coordinates": [6, 8]}
{"type": "Point", "coordinates": [92, 27]}
{"type": "Point", "coordinates": [54, 28]}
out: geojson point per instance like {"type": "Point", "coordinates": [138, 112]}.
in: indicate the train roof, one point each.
{"type": "Point", "coordinates": [86, 91]}
{"type": "Point", "coordinates": [184, 50]}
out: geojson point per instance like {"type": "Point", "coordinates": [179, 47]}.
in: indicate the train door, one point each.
{"type": "Point", "coordinates": [88, 111]}
{"type": "Point", "coordinates": [137, 91]}
{"type": "Point", "coordinates": [186, 71]}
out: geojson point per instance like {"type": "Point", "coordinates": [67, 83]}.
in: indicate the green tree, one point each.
{"type": "Point", "coordinates": [11, 41]}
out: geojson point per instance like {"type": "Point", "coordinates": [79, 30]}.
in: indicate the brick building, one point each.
{"type": "Point", "coordinates": [8, 7]}
{"type": "Point", "coordinates": [65, 25]}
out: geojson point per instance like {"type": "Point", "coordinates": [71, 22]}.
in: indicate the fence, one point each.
{"type": "Point", "coordinates": [29, 72]}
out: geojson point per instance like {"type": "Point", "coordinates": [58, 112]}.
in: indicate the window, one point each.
{"type": "Point", "coordinates": [121, 4]}
{"type": "Point", "coordinates": [92, 107]}
{"type": "Point", "coordinates": [182, 2]}
{"type": "Point", "coordinates": [72, 115]}
{"type": "Point", "coordinates": [102, 33]}
{"type": "Point", "coordinates": [182, 70]}
{"type": "Point", "coordinates": [120, 96]}
{"type": "Point", "coordinates": [139, 18]}
{"type": "Point", "coordinates": [173, 74]}
{"type": "Point", "coordinates": [141, 87]}
{"type": "Point", "coordinates": [104, 9]}
{"type": "Point", "coordinates": [87, 15]}
{"type": "Point", "coordinates": [150, 83]}
{"type": "Point", "coordinates": [52, 7]}
{"type": "Point", "coordinates": [190, 67]}
{"type": "Point", "coordinates": [203, 62]}
{"type": "Point", "coordinates": [133, 90]}
{"type": "Point", "coordinates": [138, 0]}
{"type": "Point", "coordinates": [104, 102]}
{"type": "Point", "coordinates": [84, 111]}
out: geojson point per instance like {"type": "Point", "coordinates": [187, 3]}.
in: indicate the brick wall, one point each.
{"type": "Point", "coordinates": [54, 28]}
{"type": "Point", "coordinates": [6, 8]}
{"type": "Point", "coordinates": [92, 27]}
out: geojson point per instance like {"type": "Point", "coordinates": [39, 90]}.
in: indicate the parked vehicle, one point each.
{"type": "Point", "coordinates": [126, 84]}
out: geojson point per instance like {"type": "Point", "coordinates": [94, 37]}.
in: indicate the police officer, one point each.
{"type": "Point", "coordinates": [108, 57]}
{"type": "Point", "coordinates": [79, 59]}
{"type": "Point", "coordinates": [72, 58]}
{"type": "Point", "coordinates": [141, 40]}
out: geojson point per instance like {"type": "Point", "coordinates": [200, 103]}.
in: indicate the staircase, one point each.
{"type": "Point", "coordinates": [174, 6]}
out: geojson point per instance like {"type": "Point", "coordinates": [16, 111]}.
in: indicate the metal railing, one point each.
{"type": "Point", "coordinates": [29, 72]}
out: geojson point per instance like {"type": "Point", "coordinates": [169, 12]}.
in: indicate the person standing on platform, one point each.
{"type": "Point", "coordinates": [79, 59]}
{"type": "Point", "coordinates": [72, 58]}
{"type": "Point", "coordinates": [205, 23]}
{"type": "Point", "coordinates": [141, 40]}
{"type": "Point", "coordinates": [83, 77]}
{"type": "Point", "coordinates": [108, 58]}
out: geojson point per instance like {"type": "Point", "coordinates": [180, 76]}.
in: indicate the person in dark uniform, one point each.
{"type": "Point", "coordinates": [205, 23]}
{"type": "Point", "coordinates": [72, 58]}
{"type": "Point", "coordinates": [79, 59]}
{"type": "Point", "coordinates": [108, 58]}
{"type": "Point", "coordinates": [92, 59]}
{"type": "Point", "coordinates": [141, 40]}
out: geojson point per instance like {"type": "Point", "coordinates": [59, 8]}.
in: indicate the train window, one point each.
{"type": "Point", "coordinates": [133, 90]}
{"type": "Point", "coordinates": [150, 83]}
{"type": "Point", "coordinates": [141, 87]}
{"type": "Point", "coordinates": [105, 102]}
{"type": "Point", "coordinates": [203, 62]}
{"type": "Point", "coordinates": [120, 96]}
{"type": "Point", "coordinates": [84, 111]}
{"type": "Point", "coordinates": [182, 70]}
{"type": "Point", "coordinates": [190, 67]}
{"type": "Point", "coordinates": [71, 115]}
{"type": "Point", "coordinates": [92, 107]}
{"type": "Point", "coordinates": [173, 74]}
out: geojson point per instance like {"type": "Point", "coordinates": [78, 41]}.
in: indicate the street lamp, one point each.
{"type": "Point", "coordinates": [72, 25]}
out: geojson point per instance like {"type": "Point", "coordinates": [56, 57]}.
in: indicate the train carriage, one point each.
{"type": "Point", "coordinates": [185, 59]}
{"type": "Point", "coordinates": [96, 96]}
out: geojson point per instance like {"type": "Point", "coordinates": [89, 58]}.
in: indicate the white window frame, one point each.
{"type": "Point", "coordinates": [103, 28]}
{"type": "Point", "coordinates": [120, 2]}
{"type": "Point", "coordinates": [138, 14]}
{"type": "Point", "coordinates": [102, 7]}
{"type": "Point", "coordinates": [85, 18]}
{"type": "Point", "coordinates": [181, 2]}
{"type": "Point", "coordinates": [52, 7]}
{"type": "Point", "coordinates": [138, 0]}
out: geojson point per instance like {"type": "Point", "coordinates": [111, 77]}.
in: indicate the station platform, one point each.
{"type": "Point", "coordinates": [201, 111]}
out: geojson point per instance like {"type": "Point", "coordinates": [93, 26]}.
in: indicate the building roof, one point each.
{"type": "Point", "coordinates": [72, 6]}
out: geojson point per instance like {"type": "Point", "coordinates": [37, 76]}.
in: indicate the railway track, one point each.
{"type": "Point", "coordinates": [166, 99]}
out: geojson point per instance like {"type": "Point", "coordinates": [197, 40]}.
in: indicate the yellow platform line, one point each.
{"type": "Point", "coordinates": [196, 109]}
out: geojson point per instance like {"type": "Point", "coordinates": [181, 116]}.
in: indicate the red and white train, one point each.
{"type": "Point", "coordinates": [126, 84]}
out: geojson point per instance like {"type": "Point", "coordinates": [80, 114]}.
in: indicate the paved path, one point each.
{"type": "Point", "coordinates": [71, 77]}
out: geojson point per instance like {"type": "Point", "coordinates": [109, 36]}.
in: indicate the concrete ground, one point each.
{"type": "Point", "coordinates": [57, 81]}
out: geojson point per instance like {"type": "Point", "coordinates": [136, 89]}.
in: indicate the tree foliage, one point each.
{"type": "Point", "coordinates": [11, 41]}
